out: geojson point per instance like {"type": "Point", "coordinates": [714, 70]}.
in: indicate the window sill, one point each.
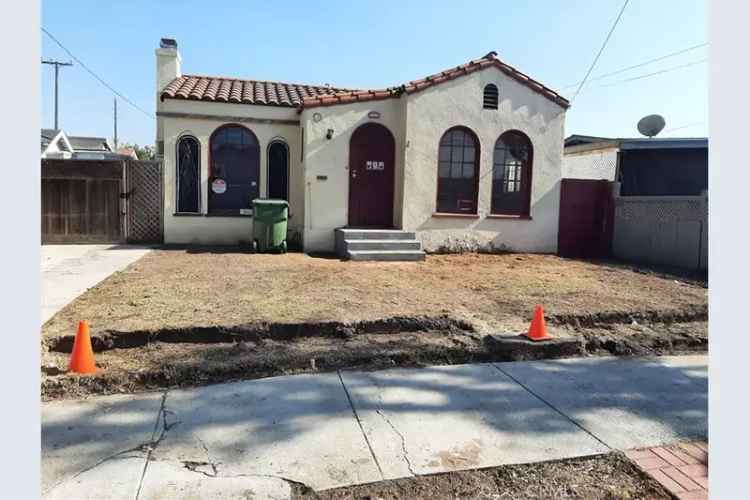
{"type": "Point", "coordinates": [187, 214]}
{"type": "Point", "coordinates": [456, 215]}
{"type": "Point", "coordinates": [510, 217]}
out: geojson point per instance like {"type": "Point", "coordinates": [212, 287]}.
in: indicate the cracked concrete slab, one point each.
{"type": "Point", "coordinates": [437, 419]}
{"type": "Point", "coordinates": [627, 403]}
{"type": "Point", "coordinates": [299, 428]}
{"type": "Point", "coordinates": [115, 479]}
{"type": "Point", "coordinates": [78, 435]}
{"type": "Point", "coordinates": [263, 435]}
{"type": "Point", "coordinates": [173, 480]}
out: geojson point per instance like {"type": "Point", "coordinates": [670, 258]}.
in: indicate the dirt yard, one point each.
{"type": "Point", "coordinates": [179, 317]}
{"type": "Point", "coordinates": [178, 289]}
{"type": "Point", "coordinates": [610, 477]}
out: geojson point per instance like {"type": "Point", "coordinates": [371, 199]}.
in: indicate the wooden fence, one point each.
{"type": "Point", "coordinates": [86, 201]}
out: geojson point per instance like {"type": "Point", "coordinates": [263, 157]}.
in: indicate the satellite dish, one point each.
{"type": "Point", "coordinates": [651, 125]}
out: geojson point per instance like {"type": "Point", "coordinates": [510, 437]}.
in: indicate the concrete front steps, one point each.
{"type": "Point", "coordinates": [378, 245]}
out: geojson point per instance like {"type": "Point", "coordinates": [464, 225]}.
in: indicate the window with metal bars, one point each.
{"type": "Point", "coordinates": [188, 175]}
{"type": "Point", "coordinates": [511, 174]}
{"type": "Point", "coordinates": [490, 96]}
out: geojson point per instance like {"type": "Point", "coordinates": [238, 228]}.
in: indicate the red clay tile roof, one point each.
{"type": "Point", "coordinates": [218, 89]}
{"type": "Point", "coordinates": [444, 76]}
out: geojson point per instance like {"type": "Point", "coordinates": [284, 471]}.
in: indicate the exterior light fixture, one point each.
{"type": "Point", "coordinates": [329, 133]}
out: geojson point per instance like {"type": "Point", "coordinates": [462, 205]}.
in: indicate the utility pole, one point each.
{"type": "Point", "coordinates": [115, 99]}
{"type": "Point", "coordinates": [57, 65]}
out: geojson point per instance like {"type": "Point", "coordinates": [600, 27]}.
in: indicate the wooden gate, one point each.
{"type": "Point", "coordinates": [81, 202]}
{"type": "Point", "coordinates": [143, 192]}
{"type": "Point", "coordinates": [586, 218]}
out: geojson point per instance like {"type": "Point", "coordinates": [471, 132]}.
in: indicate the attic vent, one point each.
{"type": "Point", "coordinates": [490, 96]}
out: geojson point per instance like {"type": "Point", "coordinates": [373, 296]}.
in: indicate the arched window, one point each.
{"type": "Point", "coordinates": [188, 175]}
{"type": "Point", "coordinates": [235, 170]}
{"type": "Point", "coordinates": [278, 170]}
{"type": "Point", "coordinates": [458, 172]}
{"type": "Point", "coordinates": [511, 174]}
{"type": "Point", "coordinates": [490, 96]}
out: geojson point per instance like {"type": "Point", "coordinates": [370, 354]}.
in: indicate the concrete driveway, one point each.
{"type": "Point", "coordinates": [336, 429]}
{"type": "Point", "coordinates": [70, 270]}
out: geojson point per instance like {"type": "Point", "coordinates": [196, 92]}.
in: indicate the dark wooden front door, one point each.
{"type": "Point", "coordinates": [371, 177]}
{"type": "Point", "coordinates": [586, 218]}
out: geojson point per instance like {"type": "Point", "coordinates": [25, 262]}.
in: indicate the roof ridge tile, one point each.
{"type": "Point", "coordinates": [275, 93]}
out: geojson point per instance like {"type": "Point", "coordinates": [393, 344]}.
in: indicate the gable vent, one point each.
{"type": "Point", "coordinates": [490, 96]}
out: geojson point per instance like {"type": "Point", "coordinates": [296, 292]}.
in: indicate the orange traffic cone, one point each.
{"type": "Point", "coordinates": [537, 330]}
{"type": "Point", "coordinates": [82, 357]}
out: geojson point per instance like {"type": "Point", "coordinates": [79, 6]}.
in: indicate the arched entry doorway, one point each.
{"type": "Point", "coordinates": [278, 170]}
{"type": "Point", "coordinates": [371, 176]}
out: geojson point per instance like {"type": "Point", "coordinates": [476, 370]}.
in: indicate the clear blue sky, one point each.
{"type": "Point", "coordinates": [374, 44]}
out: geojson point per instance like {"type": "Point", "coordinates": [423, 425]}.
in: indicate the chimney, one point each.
{"type": "Point", "coordinates": [167, 63]}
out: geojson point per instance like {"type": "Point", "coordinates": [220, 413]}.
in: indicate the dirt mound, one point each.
{"type": "Point", "coordinates": [364, 346]}
{"type": "Point", "coordinates": [255, 332]}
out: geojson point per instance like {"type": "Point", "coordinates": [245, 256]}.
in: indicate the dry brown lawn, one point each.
{"type": "Point", "coordinates": [179, 288]}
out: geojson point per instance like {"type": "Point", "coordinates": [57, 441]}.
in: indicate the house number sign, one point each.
{"type": "Point", "coordinates": [219, 186]}
{"type": "Point", "coordinates": [374, 165]}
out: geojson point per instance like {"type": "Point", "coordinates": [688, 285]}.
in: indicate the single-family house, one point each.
{"type": "Point", "coordinates": [469, 158]}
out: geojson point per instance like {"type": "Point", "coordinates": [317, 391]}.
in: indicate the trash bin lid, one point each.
{"type": "Point", "coordinates": [270, 201]}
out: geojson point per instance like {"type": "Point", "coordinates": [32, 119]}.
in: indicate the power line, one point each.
{"type": "Point", "coordinates": [645, 63]}
{"type": "Point", "coordinates": [150, 115]}
{"type": "Point", "coordinates": [606, 40]}
{"type": "Point", "coordinates": [647, 75]}
{"type": "Point", "coordinates": [695, 124]}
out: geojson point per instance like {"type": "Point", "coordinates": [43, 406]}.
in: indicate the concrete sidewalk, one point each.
{"type": "Point", "coordinates": [70, 270]}
{"type": "Point", "coordinates": [335, 429]}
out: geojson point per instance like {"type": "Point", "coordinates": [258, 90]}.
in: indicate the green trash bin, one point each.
{"type": "Point", "coordinates": [269, 225]}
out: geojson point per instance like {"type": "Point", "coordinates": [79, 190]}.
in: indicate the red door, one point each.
{"type": "Point", "coordinates": [586, 217]}
{"type": "Point", "coordinates": [371, 157]}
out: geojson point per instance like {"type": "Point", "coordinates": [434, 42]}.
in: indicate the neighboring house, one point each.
{"type": "Point", "coordinates": [129, 152]}
{"type": "Point", "coordinates": [467, 159]}
{"type": "Point", "coordinates": [56, 145]}
{"type": "Point", "coordinates": [659, 203]}
{"type": "Point", "coordinates": [644, 166]}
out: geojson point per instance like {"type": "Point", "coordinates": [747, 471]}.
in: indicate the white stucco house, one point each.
{"type": "Point", "coordinates": [466, 159]}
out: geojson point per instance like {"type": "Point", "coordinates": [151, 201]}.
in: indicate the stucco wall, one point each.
{"type": "Point", "coordinates": [202, 229]}
{"type": "Point", "coordinates": [319, 175]}
{"type": "Point", "coordinates": [595, 164]}
{"type": "Point", "coordinates": [327, 201]}
{"type": "Point", "coordinates": [431, 112]}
